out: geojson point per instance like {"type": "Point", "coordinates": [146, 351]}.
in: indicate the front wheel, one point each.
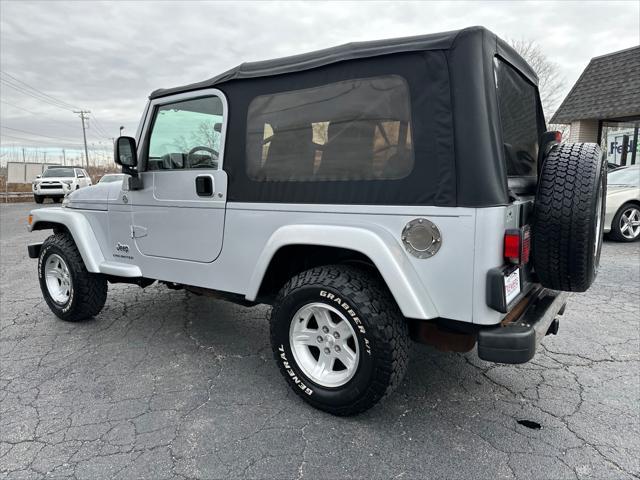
{"type": "Point", "coordinates": [625, 226]}
{"type": "Point", "coordinates": [339, 338]}
{"type": "Point", "coordinates": [38, 198]}
{"type": "Point", "coordinates": [72, 293]}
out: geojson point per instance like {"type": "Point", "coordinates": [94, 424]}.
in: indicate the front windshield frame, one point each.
{"type": "Point", "coordinates": [149, 119]}
{"type": "Point", "coordinates": [58, 172]}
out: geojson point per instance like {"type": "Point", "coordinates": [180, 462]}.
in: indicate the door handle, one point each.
{"type": "Point", "coordinates": [204, 185]}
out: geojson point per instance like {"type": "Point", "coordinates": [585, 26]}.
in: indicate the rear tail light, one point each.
{"type": "Point", "coordinates": [558, 136]}
{"type": "Point", "coordinates": [517, 245]}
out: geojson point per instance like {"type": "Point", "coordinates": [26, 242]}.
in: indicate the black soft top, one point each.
{"type": "Point", "coordinates": [350, 51]}
{"type": "Point", "coordinates": [456, 125]}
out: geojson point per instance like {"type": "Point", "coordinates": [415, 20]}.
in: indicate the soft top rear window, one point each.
{"type": "Point", "coordinates": [353, 130]}
{"type": "Point", "coordinates": [518, 106]}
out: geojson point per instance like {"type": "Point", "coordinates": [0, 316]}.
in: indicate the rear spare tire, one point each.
{"type": "Point", "coordinates": [568, 217]}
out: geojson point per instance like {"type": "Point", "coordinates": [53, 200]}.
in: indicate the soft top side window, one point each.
{"type": "Point", "coordinates": [355, 129]}
{"type": "Point", "coordinates": [186, 134]}
{"type": "Point", "coordinates": [518, 105]}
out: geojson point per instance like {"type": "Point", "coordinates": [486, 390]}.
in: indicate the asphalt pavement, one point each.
{"type": "Point", "coordinates": [166, 384]}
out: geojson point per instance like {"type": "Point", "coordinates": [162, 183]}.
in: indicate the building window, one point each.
{"type": "Point", "coordinates": [351, 130]}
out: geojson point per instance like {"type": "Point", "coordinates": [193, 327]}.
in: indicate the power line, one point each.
{"type": "Point", "coordinates": [25, 85]}
{"type": "Point", "coordinates": [41, 116]}
{"type": "Point", "coordinates": [99, 127]}
{"type": "Point", "coordinates": [33, 133]}
{"type": "Point", "coordinates": [37, 97]}
{"type": "Point", "coordinates": [44, 142]}
{"type": "Point", "coordinates": [31, 91]}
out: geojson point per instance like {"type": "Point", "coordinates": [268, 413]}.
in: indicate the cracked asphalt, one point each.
{"type": "Point", "coordinates": [166, 384]}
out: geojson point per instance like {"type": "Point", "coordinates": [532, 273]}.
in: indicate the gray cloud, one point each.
{"type": "Point", "coordinates": [108, 56]}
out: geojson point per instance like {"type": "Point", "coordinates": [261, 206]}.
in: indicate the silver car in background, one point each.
{"type": "Point", "coordinates": [622, 217]}
{"type": "Point", "coordinates": [111, 177]}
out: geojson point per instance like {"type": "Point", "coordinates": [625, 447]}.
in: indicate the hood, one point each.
{"type": "Point", "coordinates": [95, 197]}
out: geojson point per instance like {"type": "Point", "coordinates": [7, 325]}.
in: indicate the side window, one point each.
{"type": "Point", "coordinates": [518, 105]}
{"type": "Point", "coordinates": [186, 134]}
{"type": "Point", "coordinates": [351, 130]}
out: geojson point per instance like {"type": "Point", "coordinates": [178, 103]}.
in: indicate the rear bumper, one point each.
{"type": "Point", "coordinates": [516, 342]}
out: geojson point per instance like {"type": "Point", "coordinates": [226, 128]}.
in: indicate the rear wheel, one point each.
{"type": "Point", "coordinates": [625, 226]}
{"type": "Point", "coordinates": [339, 338]}
{"type": "Point", "coordinates": [72, 293]}
{"type": "Point", "coordinates": [568, 217]}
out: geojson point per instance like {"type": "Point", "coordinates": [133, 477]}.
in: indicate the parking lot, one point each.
{"type": "Point", "coordinates": [166, 384]}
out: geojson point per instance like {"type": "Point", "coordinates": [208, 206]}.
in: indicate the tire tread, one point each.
{"type": "Point", "coordinates": [563, 227]}
{"type": "Point", "coordinates": [90, 288]}
{"type": "Point", "coordinates": [386, 327]}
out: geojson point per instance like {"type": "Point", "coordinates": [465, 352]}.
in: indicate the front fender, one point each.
{"type": "Point", "coordinates": [376, 243]}
{"type": "Point", "coordinates": [79, 228]}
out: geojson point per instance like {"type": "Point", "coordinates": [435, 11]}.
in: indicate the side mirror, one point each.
{"type": "Point", "coordinates": [126, 156]}
{"type": "Point", "coordinates": [125, 153]}
{"type": "Point", "coordinates": [38, 176]}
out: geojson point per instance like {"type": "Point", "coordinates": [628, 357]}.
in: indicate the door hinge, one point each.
{"type": "Point", "coordinates": [138, 231]}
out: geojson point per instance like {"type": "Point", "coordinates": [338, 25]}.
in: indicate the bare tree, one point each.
{"type": "Point", "coordinates": [551, 83]}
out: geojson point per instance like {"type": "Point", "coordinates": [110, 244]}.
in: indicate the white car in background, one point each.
{"type": "Point", "coordinates": [622, 217]}
{"type": "Point", "coordinates": [57, 181]}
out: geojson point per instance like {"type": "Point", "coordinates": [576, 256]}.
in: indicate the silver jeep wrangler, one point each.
{"type": "Point", "coordinates": [373, 193]}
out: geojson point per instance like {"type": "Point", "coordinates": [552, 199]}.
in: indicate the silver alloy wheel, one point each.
{"type": "Point", "coordinates": [58, 279]}
{"type": "Point", "coordinates": [630, 223]}
{"type": "Point", "coordinates": [324, 345]}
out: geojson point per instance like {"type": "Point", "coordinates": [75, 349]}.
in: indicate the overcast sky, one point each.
{"type": "Point", "coordinates": [108, 56]}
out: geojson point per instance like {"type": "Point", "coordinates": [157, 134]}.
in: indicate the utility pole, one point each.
{"type": "Point", "coordinates": [64, 158]}
{"type": "Point", "coordinates": [23, 159]}
{"type": "Point", "coordinates": [83, 117]}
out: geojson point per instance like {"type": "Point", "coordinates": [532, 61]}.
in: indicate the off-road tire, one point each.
{"type": "Point", "coordinates": [56, 199]}
{"type": "Point", "coordinates": [568, 217]}
{"type": "Point", "coordinates": [38, 198]}
{"type": "Point", "coordinates": [383, 338]}
{"type": "Point", "coordinates": [616, 233]}
{"type": "Point", "coordinates": [89, 290]}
